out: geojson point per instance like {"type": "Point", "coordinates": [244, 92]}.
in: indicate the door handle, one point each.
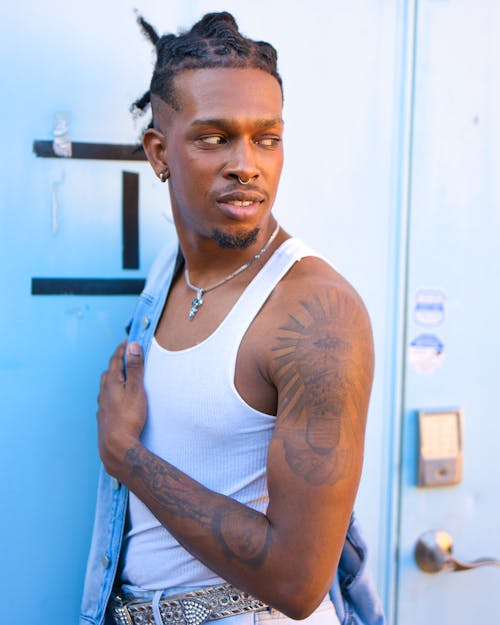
{"type": "Point", "coordinates": [433, 553]}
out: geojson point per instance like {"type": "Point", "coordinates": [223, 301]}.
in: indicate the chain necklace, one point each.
{"type": "Point", "coordinates": [198, 300]}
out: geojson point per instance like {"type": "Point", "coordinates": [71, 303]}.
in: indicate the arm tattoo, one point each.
{"type": "Point", "coordinates": [321, 385]}
{"type": "Point", "coordinates": [168, 486]}
{"type": "Point", "coordinates": [243, 533]}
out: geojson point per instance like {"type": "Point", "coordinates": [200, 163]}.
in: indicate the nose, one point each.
{"type": "Point", "coordinates": [242, 165]}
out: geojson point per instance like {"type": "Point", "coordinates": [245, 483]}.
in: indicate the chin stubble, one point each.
{"type": "Point", "coordinates": [238, 241]}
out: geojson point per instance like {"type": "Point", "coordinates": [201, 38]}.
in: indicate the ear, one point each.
{"type": "Point", "coordinates": [155, 147]}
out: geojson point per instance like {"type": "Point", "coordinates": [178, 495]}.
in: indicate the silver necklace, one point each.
{"type": "Point", "coordinates": [198, 300]}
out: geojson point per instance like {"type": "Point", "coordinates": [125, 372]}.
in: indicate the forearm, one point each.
{"type": "Point", "coordinates": [205, 523]}
{"type": "Point", "coordinates": [238, 543]}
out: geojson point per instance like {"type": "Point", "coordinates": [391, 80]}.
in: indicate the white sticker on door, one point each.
{"type": "Point", "coordinates": [426, 353]}
{"type": "Point", "coordinates": [429, 307]}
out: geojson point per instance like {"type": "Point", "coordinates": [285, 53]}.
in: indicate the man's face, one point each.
{"type": "Point", "coordinates": [229, 125]}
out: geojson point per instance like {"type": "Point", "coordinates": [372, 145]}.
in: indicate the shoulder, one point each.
{"type": "Point", "coordinates": [316, 318]}
{"type": "Point", "coordinates": [314, 290]}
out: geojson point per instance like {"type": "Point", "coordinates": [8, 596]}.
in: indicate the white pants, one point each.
{"type": "Point", "coordinates": [325, 614]}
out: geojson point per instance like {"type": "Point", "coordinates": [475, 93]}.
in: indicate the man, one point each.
{"type": "Point", "coordinates": [238, 423]}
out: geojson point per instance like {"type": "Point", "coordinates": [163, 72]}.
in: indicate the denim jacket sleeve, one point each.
{"type": "Point", "coordinates": [353, 591]}
{"type": "Point", "coordinates": [112, 497]}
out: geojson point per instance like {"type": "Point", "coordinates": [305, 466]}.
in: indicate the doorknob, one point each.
{"type": "Point", "coordinates": [433, 554]}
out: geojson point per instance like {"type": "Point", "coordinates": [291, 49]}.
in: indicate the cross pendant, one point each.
{"type": "Point", "coordinates": [196, 304]}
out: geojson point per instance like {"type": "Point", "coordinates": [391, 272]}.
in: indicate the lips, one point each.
{"type": "Point", "coordinates": [240, 196]}
{"type": "Point", "coordinates": [240, 205]}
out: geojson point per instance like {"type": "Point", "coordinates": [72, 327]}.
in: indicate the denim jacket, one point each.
{"type": "Point", "coordinates": [353, 592]}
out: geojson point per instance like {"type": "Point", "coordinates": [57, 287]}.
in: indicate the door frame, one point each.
{"type": "Point", "coordinates": [396, 378]}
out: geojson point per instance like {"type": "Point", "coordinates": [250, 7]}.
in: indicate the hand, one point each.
{"type": "Point", "coordinates": [122, 407]}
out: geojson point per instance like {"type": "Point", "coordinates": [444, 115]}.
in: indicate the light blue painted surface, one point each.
{"type": "Point", "coordinates": [58, 57]}
{"type": "Point", "coordinates": [454, 235]}
{"type": "Point", "coordinates": [344, 76]}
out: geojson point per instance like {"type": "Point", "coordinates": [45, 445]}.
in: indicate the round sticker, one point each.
{"type": "Point", "coordinates": [426, 353]}
{"type": "Point", "coordinates": [429, 307]}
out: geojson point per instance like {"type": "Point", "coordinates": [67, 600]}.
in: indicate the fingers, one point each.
{"type": "Point", "coordinates": [103, 382]}
{"type": "Point", "coordinates": [115, 368]}
{"type": "Point", "coordinates": [134, 366]}
{"type": "Point", "coordinates": [116, 360]}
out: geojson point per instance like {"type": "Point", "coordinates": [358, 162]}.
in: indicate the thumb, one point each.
{"type": "Point", "coordinates": [134, 361]}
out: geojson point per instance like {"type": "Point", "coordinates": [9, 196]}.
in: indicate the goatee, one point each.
{"type": "Point", "coordinates": [238, 241]}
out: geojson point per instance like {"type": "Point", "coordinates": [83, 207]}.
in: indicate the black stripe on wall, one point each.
{"type": "Point", "coordinates": [95, 151]}
{"type": "Point", "coordinates": [130, 220]}
{"type": "Point", "coordinates": [86, 286]}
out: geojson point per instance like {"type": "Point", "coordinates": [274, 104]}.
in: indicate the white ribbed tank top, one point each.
{"type": "Point", "coordinates": [198, 422]}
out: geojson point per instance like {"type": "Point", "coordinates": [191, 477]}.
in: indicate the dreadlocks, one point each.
{"type": "Point", "coordinates": [214, 41]}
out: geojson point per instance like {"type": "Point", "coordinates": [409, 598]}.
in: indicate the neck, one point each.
{"type": "Point", "coordinates": [207, 261]}
{"type": "Point", "coordinates": [197, 302]}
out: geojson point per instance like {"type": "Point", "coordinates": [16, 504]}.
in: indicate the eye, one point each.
{"type": "Point", "coordinates": [213, 139]}
{"type": "Point", "coordinates": [269, 142]}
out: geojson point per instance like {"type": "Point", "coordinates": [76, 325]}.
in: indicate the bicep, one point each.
{"type": "Point", "coordinates": [322, 368]}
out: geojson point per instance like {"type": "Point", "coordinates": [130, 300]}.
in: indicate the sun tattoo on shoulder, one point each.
{"type": "Point", "coordinates": [319, 380]}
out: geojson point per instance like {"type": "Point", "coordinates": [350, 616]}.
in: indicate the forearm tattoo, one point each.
{"type": "Point", "coordinates": [242, 533]}
{"type": "Point", "coordinates": [169, 487]}
{"type": "Point", "coordinates": [321, 383]}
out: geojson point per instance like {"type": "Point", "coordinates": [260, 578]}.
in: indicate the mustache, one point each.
{"type": "Point", "coordinates": [235, 187]}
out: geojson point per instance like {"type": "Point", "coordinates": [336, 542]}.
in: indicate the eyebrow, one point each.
{"type": "Point", "coordinates": [228, 123]}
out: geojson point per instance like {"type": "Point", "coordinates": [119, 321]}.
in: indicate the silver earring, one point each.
{"type": "Point", "coordinates": [163, 175]}
{"type": "Point", "coordinates": [243, 181]}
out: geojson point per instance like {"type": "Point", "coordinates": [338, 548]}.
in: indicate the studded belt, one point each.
{"type": "Point", "coordinates": [191, 608]}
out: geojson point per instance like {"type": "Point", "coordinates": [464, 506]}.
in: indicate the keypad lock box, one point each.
{"type": "Point", "coordinates": [440, 447]}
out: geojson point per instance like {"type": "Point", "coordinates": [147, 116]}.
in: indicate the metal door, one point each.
{"type": "Point", "coordinates": [453, 337]}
